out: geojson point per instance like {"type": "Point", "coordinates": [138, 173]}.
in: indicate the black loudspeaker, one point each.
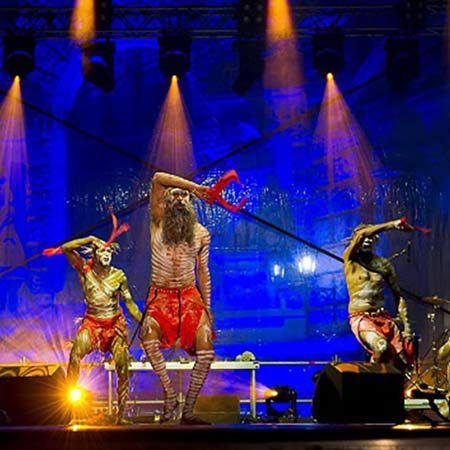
{"type": "Point", "coordinates": [359, 393]}
{"type": "Point", "coordinates": [33, 395]}
{"type": "Point", "coordinates": [218, 408]}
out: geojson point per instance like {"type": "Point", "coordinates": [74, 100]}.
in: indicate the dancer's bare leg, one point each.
{"type": "Point", "coordinates": [205, 356]}
{"type": "Point", "coordinates": [151, 342]}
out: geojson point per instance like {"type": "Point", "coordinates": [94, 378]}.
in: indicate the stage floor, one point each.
{"type": "Point", "coordinates": [227, 437]}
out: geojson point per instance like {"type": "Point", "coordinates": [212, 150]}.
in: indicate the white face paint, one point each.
{"type": "Point", "coordinates": [104, 256]}
{"type": "Point", "coordinates": [368, 243]}
{"type": "Point", "coordinates": [179, 198]}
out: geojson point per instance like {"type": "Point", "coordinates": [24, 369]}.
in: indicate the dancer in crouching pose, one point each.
{"type": "Point", "coordinates": [366, 274]}
{"type": "Point", "coordinates": [104, 327]}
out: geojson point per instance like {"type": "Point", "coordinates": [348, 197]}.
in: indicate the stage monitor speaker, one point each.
{"type": "Point", "coordinates": [359, 393]}
{"type": "Point", "coordinates": [33, 395]}
{"type": "Point", "coordinates": [218, 408]}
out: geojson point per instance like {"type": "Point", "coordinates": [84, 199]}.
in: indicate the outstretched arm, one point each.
{"type": "Point", "coordinates": [371, 230]}
{"type": "Point", "coordinates": [161, 181]}
{"type": "Point", "coordinates": [129, 302]}
{"type": "Point", "coordinates": [70, 250]}
{"type": "Point", "coordinates": [204, 277]}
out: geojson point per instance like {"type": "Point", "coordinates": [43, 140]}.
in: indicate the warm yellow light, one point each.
{"type": "Point", "coordinates": [75, 395]}
{"type": "Point", "coordinates": [411, 426]}
{"type": "Point", "coordinates": [330, 76]}
{"type": "Point", "coordinates": [171, 145]}
{"type": "Point", "coordinates": [270, 393]}
{"type": "Point", "coordinates": [82, 25]}
{"type": "Point", "coordinates": [348, 151]}
{"type": "Point", "coordinates": [280, 22]}
{"type": "Point", "coordinates": [13, 172]}
{"type": "Point", "coordinates": [283, 72]}
{"type": "Point", "coordinates": [17, 79]}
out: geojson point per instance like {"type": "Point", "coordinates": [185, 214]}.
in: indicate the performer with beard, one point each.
{"type": "Point", "coordinates": [176, 313]}
{"type": "Point", "coordinates": [366, 274]}
{"type": "Point", "coordinates": [104, 327]}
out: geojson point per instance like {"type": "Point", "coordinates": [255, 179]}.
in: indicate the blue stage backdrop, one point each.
{"type": "Point", "coordinates": [272, 295]}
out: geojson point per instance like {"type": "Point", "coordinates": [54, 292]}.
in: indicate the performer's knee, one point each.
{"type": "Point", "coordinates": [204, 339]}
{"type": "Point", "coordinates": [380, 346]}
{"type": "Point", "coordinates": [443, 353]}
{"type": "Point", "coordinates": [150, 330]}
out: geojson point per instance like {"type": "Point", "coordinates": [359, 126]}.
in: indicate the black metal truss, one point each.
{"type": "Point", "coordinates": [218, 21]}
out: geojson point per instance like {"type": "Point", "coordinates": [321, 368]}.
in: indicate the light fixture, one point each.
{"type": "Point", "coordinates": [278, 270]}
{"type": "Point", "coordinates": [98, 63]}
{"type": "Point", "coordinates": [412, 14]}
{"type": "Point", "coordinates": [306, 264]}
{"type": "Point", "coordinates": [251, 17]}
{"type": "Point", "coordinates": [75, 395]}
{"type": "Point", "coordinates": [18, 55]}
{"type": "Point", "coordinates": [281, 402]}
{"type": "Point", "coordinates": [328, 51]}
{"type": "Point", "coordinates": [175, 54]}
{"type": "Point", "coordinates": [103, 15]}
{"type": "Point", "coordinates": [80, 402]}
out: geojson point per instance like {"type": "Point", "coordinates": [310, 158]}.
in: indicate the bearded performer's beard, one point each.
{"type": "Point", "coordinates": [178, 224]}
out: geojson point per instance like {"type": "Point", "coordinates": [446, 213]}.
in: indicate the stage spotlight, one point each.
{"type": "Point", "coordinates": [328, 52]}
{"type": "Point", "coordinates": [330, 76]}
{"type": "Point", "coordinates": [103, 14]}
{"type": "Point", "coordinates": [251, 17]}
{"type": "Point", "coordinates": [306, 265]}
{"type": "Point", "coordinates": [175, 54]}
{"type": "Point", "coordinates": [278, 270]}
{"type": "Point", "coordinates": [80, 402]}
{"type": "Point", "coordinates": [402, 60]}
{"type": "Point", "coordinates": [412, 14]}
{"type": "Point", "coordinates": [18, 55]}
{"type": "Point", "coordinates": [281, 402]}
{"type": "Point", "coordinates": [98, 63]}
{"type": "Point", "coordinates": [75, 395]}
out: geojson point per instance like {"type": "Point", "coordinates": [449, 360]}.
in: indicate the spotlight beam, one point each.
{"type": "Point", "coordinates": [93, 137]}
{"type": "Point", "coordinates": [144, 201]}
{"type": "Point", "coordinates": [236, 151]}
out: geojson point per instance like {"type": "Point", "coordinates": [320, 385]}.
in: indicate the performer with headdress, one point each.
{"type": "Point", "coordinates": [103, 327]}
{"type": "Point", "coordinates": [366, 275]}
{"type": "Point", "coordinates": [177, 313]}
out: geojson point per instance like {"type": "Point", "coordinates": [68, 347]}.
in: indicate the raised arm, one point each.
{"type": "Point", "coordinates": [371, 230]}
{"type": "Point", "coordinates": [129, 302]}
{"type": "Point", "coordinates": [161, 181]}
{"type": "Point", "coordinates": [70, 250]}
{"type": "Point", "coordinates": [204, 277]}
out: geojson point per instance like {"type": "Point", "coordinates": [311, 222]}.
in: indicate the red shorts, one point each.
{"type": "Point", "coordinates": [103, 331]}
{"type": "Point", "coordinates": [382, 324]}
{"type": "Point", "coordinates": [178, 313]}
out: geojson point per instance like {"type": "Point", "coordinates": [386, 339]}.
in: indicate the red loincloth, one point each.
{"type": "Point", "coordinates": [103, 331]}
{"type": "Point", "coordinates": [178, 313]}
{"type": "Point", "coordinates": [382, 324]}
